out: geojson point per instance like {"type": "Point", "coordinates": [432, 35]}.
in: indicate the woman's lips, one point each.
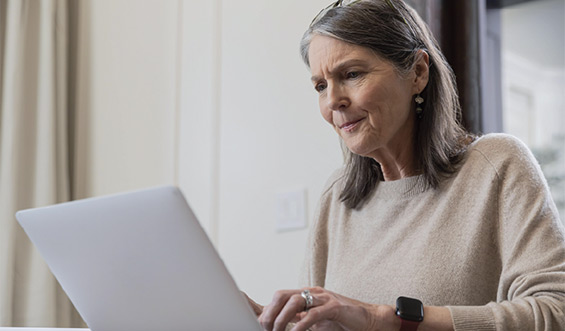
{"type": "Point", "coordinates": [350, 126]}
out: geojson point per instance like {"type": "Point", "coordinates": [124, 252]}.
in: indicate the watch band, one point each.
{"type": "Point", "coordinates": [407, 325]}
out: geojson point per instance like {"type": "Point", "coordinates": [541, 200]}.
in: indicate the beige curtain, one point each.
{"type": "Point", "coordinates": [34, 153]}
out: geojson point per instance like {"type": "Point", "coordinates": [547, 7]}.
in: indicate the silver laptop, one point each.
{"type": "Point", "coordinates": [138, 261]}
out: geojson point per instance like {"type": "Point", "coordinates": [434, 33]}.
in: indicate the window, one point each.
{"type": "Point", "coordinates": [533, 84]}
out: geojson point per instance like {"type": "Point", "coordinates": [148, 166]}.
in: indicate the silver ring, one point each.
{"type": "Point", "coordinates": [309, 300]}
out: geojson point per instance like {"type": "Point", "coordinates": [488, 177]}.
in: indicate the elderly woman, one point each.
{"type": "Point", "coordinates": [459, 231]}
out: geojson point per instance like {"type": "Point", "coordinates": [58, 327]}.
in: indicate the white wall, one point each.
{"type": "Point", "coordinates": [198, 144]}
{"type": "Point", "coordinates": [127, 99]}
{"type": "Point", "coordinates": [272, 139]}
{"type": "Point", "coordinates": [211, 96]}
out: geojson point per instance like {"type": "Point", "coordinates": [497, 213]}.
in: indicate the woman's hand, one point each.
{"type": "Point", "coordinates": [329, 311]}
{"type": "Point", "coordinates": [257, 308]}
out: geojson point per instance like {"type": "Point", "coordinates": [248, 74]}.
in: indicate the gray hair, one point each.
{"type": "Point", "coordinates": [397, 34]}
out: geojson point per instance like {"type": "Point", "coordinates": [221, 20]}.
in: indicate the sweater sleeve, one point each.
{"type": "Point", "coordinates": [531, 240]}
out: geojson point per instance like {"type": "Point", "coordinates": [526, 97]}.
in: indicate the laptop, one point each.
{"type": "Point", "coordinates": [138, 261]}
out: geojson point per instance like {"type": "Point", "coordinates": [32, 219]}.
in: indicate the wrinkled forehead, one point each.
{"type": "Point", "coordinates": [326, 53]}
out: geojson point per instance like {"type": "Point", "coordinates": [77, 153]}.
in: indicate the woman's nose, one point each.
{"type": "Point", "coordinates": [337, 98]}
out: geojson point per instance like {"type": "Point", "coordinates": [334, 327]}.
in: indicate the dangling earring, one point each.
{"type": "Point", "coordinates": [419, 110]}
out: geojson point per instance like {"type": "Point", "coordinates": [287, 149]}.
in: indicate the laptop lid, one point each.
{"type": "Point", "coordinates": [138, 261]}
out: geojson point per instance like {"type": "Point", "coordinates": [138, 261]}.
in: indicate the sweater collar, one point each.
{"type": "Point", "coordinates": [401, 188]}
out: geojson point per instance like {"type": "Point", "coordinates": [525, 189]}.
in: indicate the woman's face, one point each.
{"type": "Point", "coordinates": [363, 97]}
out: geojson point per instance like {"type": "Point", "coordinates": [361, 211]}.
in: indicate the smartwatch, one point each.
{"type": "Point", "coordinates": [411, 313]}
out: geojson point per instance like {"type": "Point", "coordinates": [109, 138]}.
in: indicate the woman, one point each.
{"type": "Point", "coordinates": [422, 209]}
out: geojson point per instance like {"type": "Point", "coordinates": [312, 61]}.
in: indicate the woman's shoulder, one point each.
{"type": "Point", "coordinates": [494, 143]}
{"type": "Point", "coordinates": [503, 152]}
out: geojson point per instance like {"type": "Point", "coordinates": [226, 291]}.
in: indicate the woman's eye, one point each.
{"type": "Point", "coordinates": [353, 74]}
{"type": "Point", "coordinates": [320, 87]}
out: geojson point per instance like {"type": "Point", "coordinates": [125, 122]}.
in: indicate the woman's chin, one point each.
{"type": "Point", "coordinates": [358, 150]}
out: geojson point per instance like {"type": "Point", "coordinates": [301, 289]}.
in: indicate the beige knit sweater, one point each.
{"type": "Point", "coordinates": [488, 243]}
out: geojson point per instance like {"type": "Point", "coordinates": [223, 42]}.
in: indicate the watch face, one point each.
{"type": "Point", "coordinates": [410, 309]}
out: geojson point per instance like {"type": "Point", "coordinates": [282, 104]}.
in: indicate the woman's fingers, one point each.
{"type": "Point", "coordinates": [336, 312]}
{"type": "Point", "coordinates": [314, 316]}
{"type": "Point", "coordinates": [332, 311]}
{"type": "Point", "coordinates": [272, 310]}
{"type": "Point", "coordinates": [294, 305]}
{"type": "Point", "coordinates": [323, 308]}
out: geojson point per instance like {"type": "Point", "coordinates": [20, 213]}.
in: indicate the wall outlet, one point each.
{"type": "Point", "coordinates": [291, 210]}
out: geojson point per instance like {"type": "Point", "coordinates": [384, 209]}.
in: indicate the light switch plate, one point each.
{"type": "Point", "coordinates": [291, 210]}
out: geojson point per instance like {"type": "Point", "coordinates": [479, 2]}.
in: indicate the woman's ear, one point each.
{"type": "Point", "coordinates": [422, 71]}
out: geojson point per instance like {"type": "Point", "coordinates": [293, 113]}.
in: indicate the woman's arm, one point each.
{"type": "Point", "coordinates": [530, 240]}
{"type": "Point", "coordinates": [436, 318]}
